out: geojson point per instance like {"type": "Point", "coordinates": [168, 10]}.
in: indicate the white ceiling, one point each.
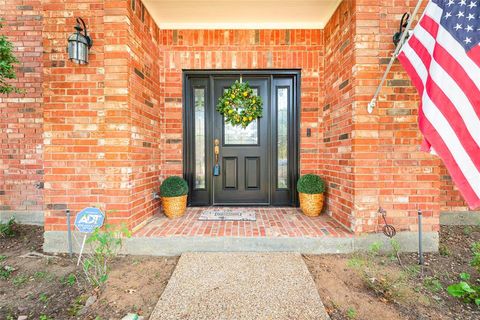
{"type": "Point", "coordinates": [241, 14]}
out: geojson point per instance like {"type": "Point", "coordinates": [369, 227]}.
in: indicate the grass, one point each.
{"type": "Point", "coordinates": [43, 297]}
{"type": "Point", "coordinates": [6, 272]}
{"type": "Point", "coordinates": [20, 280]}
{"type": "Point", "coordinates": [386, 275]}
{"type": "Point", "coordinates": [444, 251]}
{"type": "Point", "coordinates": [351, 313]}
{"type": "Point", "coordinates": [77, 305]}
{"type": "Point", "coordinates": [69, 280]}
{"type": "Point", "coordinates": [432, 284]}
{"type": "Point", "coordinates": [6, 229]}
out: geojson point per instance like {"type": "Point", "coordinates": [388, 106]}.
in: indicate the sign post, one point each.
{"type": "Point", "coordinates": [86, 222]}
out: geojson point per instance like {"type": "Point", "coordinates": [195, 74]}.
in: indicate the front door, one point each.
{"type": "Point", "coordinates": [259, 163]}
{"type": "Point", "coordinates": [244, 176]}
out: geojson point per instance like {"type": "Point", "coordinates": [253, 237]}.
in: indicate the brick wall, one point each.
{"type": "Point", "coordinates": [102, 119]}
{"type": "Point", "coordinates": [146, 110]}
{"type": "Point", "coordinates": [113, 128]}
{"type": "Point", "coordinates": [391, 171]}
{"type": "Point", "coordinates": [241, 49]}
{"type": "Point", "coordinates": [335, 145]}
{"type": "Point", "coordinates": [21, 116]}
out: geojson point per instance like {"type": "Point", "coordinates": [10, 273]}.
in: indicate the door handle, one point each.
{"type": "Point", "coordinates": [216, 151]}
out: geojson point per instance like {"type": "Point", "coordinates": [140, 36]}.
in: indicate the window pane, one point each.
{"type": "Point", "coordinates": [240, 135]}
{"type": "Point", "coordinates": [282, 138]}
{"type": "Point", "coordinates": [199, 99]}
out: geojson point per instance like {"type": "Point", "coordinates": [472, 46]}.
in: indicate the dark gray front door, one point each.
{"type": "Point", "coordinates": [244, 178]}
{"type": "Point", "coordinates": [258, 164]}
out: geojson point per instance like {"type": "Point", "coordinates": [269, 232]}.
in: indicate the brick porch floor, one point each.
{"type": "Point", "coordinates": [271, 222]}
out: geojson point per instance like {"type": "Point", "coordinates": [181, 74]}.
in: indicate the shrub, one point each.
{"type": "Point", "coordinates": [466, 289]}
{"type": "Point", "coordinates": [6, 229]}
{"type": "Point", "coordinates": [105, 245]}
{"type": "Point", "coordinates": [311, 184]}
{"type": "Point", "coordinates": [173, 187]}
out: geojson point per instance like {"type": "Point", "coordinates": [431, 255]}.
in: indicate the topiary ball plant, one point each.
{"type": "Point", "coordinates": [310, 184]}
{"type": "Point", "coordinates": [173, 187]}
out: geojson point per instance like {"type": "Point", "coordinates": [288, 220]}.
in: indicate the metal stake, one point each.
{"type": "Point", "coordinates": [69, 233]}
{"type": "Point", "coordinates": [420, 248]}
{"type": "Point", "coordinates": [81, 249]}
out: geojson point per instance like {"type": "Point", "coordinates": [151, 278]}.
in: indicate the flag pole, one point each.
{"type": "Point", "coordinates": [373, 102]}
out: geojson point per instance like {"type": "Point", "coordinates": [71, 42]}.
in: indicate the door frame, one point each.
{"type": "Point", "coordinates": [187, 122]}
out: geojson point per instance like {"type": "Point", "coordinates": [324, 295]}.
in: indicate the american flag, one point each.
{"type": "Point", "coordinates": [442, 57]}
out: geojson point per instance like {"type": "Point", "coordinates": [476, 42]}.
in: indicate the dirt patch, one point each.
{"type": "Point", "coordinates": [36, 286]}
{"type": "Point", "coordinates": [135, 285]}
{"type": "Point", "coordinates": [375, 286]}
{"type": "Point", "coordinates": [52, 286]}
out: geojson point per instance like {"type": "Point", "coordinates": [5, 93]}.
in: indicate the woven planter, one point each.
{"type": "Point", "coordinates": [174, 207]}
{"type": "Point", "coordinates": [311, 204]}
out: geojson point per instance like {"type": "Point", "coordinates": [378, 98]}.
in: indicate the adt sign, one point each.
{"type": "Point", "coordinates": [89, 219]}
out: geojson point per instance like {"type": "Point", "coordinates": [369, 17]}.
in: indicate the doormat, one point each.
{"type": "Point", "coordinates": [228, 215]}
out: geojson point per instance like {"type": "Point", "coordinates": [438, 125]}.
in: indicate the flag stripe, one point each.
{"type": "Point", "coordinates": [474, 54]}
{"type": "Point", "coordinates": [442, 58]}
{"type": "Point", "coordinates": [459, 151]}
{"type": "Point", "coordinates": [457, 117]}
{"type": "Point", "coordinates": [449, 138]}
{"type": "Point", "coordinates": [450, 163]}
{"type": "Point", "coordinates": [413, 65]}
{"type": "Point", "coordinates": [464, 174]}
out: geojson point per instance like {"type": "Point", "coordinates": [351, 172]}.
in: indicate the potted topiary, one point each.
{"type": "Point", "coordinates": [173, 192]}
{"type": "Point", "coordinates": [310, 189]}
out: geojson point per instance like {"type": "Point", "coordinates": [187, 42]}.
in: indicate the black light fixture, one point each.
{"type": "Point", "coordinates": [79, 43]}
{"type": "Point", "coordinates": [403, 24]}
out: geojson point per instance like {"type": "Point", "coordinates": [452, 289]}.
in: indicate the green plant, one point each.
{"type": "Point", "coordinates": [45, 317]}
{"type": "Point", "coordinates": [77, 305]}
{"type": "Point", "coordinates": [105, 245]}
{"type": "Point", "coordinates": [395, 254]}
{"type": "Point", "coordinates": [70, 280]}
{"type": "Point", "coordinates": [375, 248]}
{"type": "Point", "coordinates": [173, 187]}
{"type": "Point", "coordinates": [476, 256]}
{"type": "Point", "coordinates": [432, 284]}
{"type": "Point", "coordinates": [239, 105]}
{"type": "Point", "coordinates": [351, 313]}
{"type": "Point", "coordinates": [465, 289]}
{"type": "Point", "coordinates": [355, 262]}
{"type": "Point", "coordinates": [467, 230]}
{"type": "Point", "coordinates": [19, 280]}
{"type": "Point", "coordinates": [3, 258]}
{"type": "Point", "coordinates": [7, 66]}
{"type": "Point", "coordinates": [7, 229]}
{"type": "Point", "coordinates": [43, 275]}
{"type": "Point", "coordinates": [311, 184]}
{"type": "Point", "coordinates": [6, 272]}
{"type": "Point", "coordinates": [443, 250]}
{"type": "Point", "coordinates": [43, 297]}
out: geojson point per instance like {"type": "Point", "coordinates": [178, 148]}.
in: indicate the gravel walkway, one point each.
{"type": "Point", "coordinates": [240, 286]}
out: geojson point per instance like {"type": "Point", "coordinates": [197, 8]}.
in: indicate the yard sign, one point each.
{"type": "Point", "coordinates": [87, 221]}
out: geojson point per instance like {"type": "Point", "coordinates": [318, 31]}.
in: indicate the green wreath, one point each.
{"type": "Point", "coordinates": [239, 105]}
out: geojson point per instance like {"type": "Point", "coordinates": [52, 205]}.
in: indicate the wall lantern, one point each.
{"type": "Point", "coordinates": [403, 24]}
{"type": "Point", "coordinates": [79, 44]}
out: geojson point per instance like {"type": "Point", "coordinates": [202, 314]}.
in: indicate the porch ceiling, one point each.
{"type": "Point", "coordinates": [241, 14]}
